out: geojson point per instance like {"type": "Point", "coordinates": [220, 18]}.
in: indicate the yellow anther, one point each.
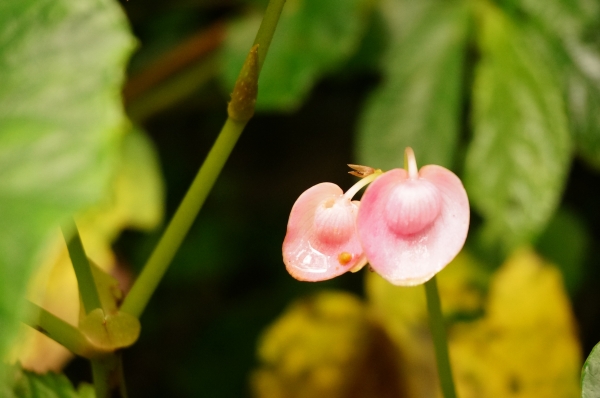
{"type": "Point", "coordinates": [344, 258]}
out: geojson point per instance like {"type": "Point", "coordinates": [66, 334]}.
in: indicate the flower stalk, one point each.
{"type": "Point", "coordinates": [361, 184]}
{"type": "Point", "coordinates": [440, 341]}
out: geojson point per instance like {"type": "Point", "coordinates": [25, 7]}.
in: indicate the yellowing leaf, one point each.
{"type": "Point", "coordinates": [403, 314]}
{"type": "Point", "coordinates": [109, 291]}
{"type": "Point", "coordinates": [526, 345]}
{"type": "Point", "coordinates": [62, 64]}
{"type": "Point", "coordinates": [109, 332]}
{"type": "Point", "coordinates": [325, 346]}
{"type": "Point", "coordinates": [522, 344]}
{"type": "Point", "coordinates": [511, 334]}
{"type": "Point", "coordinates": [312, 347]}
{"type": "Point", "coordinates": [136, 201]}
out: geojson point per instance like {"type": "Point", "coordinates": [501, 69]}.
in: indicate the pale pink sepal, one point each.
{"type": "Point", "coordinates": [321, 241]}
{"type": "Point", "coordinates": [411, 228]}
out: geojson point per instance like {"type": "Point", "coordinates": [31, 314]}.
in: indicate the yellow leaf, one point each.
{"type": "Point", "coordinates": [520, 341]}
{"type": "Point", "coordinates": [325, 346]}
{"type": "Point", "coordinates": [526, 345]}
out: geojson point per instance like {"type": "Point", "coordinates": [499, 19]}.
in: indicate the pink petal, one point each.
{"type": "Point", "coordinates": [321, 240]}
{"type": "Point", "coordinates": [411, 229]}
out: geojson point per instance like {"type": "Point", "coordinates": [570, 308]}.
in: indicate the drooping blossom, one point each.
{"type": "Point", "coordinates": [321, 240]}
{"type": "Point", "coordinates": [411, 224]}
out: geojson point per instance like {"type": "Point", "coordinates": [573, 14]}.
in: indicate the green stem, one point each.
{"type": "Point", "coordinates": [58, 330]}
{"type": "Point", "coordinates": [107, 374]}
{"type": "Point", "coordinates": [121, 375]}
{"type": "Point", "coordinates": [165, 250]}
{"type": "Point", "coordinates": [440, 341]}
{"type": "Point", "coordinates": [161, 257]}
{"type": "Point", "coordinates": [267, 29]}
{"type": "Point", "coordinates": [100, 377]}
{"type": "Point", "coordinates": [82, 267]}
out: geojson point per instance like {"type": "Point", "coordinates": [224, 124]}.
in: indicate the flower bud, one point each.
{"type": "Point", "coordinates": [321, 240]}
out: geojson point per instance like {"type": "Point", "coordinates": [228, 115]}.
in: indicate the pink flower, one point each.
{"type": "Point", "coordinates": [409, 225]}
{"type": "Point", "coordinates": [321, 240]}
{"type": "Point", "coordinates": [413, 223]}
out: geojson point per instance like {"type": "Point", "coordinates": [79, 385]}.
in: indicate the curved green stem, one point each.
{"type": "Point", "coordinates": [440, 342]}
{"type": "Point", "coordinates": [161, 257]}
{"type": "Point", "coordinates": [171, 240]}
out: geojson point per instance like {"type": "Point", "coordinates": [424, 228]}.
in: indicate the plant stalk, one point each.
{"type": "Point", "coordinates": [107, 373]}
{"type": "Point", "coordinates": [440, 342]}
{"type": "Point", "coordinates": [58, 330]}
{"type": "Point", "coordinates": [81, 265]}
{"type": "Point", "coordinates": [158, 263]}
{"type": "Point", "coordinates": [267, 30]}
{"type": "Point", "coordinates": [160, 259]}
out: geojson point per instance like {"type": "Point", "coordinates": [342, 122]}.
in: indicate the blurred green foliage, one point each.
{"type": "Point", "coordinates": [423, 70]}
{"type": "Point", "coordinates": [505, 93]}
{"type": "Point", "coordinates": [590, 377]}
{"type": "Point", "coordinates": [60, 120]}
{"type": "Point", "coordinates": [49, 385]}
{"type": "Point", "coordinates": [135, 200]}
{"type": "Point", "coordinates": [313, 38]}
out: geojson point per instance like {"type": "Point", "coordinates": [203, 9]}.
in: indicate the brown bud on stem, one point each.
{"type": "Point", "coordinates": [243, 98]}
{"type": "Point", "coordinates": [361, 171]}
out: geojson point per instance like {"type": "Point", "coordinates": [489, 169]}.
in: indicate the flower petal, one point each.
{"type": "Point", "coordinates": [321, 240]}
{"type": "Point", "coordinates": [411, 253]}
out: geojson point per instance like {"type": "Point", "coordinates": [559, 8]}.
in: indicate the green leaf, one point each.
{"type": "Point", "coordinates": [62, 65]}
{"type": "Point", "coordinates": [584, 102]}
{"type": "Point", "coordinates": [566, 242]}
{"type": "Point", "coordinates": [372, 48]}
{"type": "Point", "coordinates": [519, 157]}
{"type": "Point", "coordinates": [420, 101]}
{"type": "Point", "coordinates": [576, 66]}
{"type": "Point", "coordinates": [564, 18]}
{"type": "Point", "coordinates": [572, 27]}
{"type": "Point", "coordinates": [313, 37]}
{"type": "Point", "coordinates": [24, 384]}
{"type": "Point", "coordinates": [590, 375]}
